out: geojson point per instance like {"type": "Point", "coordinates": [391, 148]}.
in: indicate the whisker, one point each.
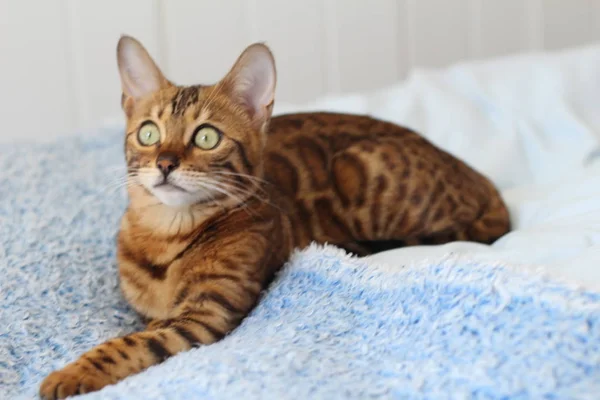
{"type": "Point", "coordinates": [212, 186]}
{"type": "Point", "coordinates": [103, 193]}
{"type": "Point", "coordinates": [116, 183]}
{"type": "Point", "coordinates": [157, 203]}
{"type": "Point", "coordinates": [238, 190]}
{"type": "Point", "coordinates": [221, 189]}
{"type": "Point", "coordinates": [257, 188]}
{"type": "Point", "coordinates": [229, 173]}
{"type": "Point", "coordinates": [129, 175]}
{"type": "Point", "coordinates": [229, 180]}
{"type": "Point", "coordinates": [173, 220]}
{"type": "Point", "coordinates": [220, 183]}
{"type": "Point", "coordinates": [115, 188]}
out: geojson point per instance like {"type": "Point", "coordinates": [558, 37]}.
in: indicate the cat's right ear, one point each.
{"type": "Point", "coordinates": [140, 76]}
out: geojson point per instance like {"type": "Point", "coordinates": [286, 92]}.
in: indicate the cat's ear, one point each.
{"type": "Point", "coordinates": [251, 82]}
{"type": "Point", "coordinates": [139, 74]}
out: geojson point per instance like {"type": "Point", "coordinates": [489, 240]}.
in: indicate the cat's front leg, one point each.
{"type": "Point", "coordinates": [119, 358]}
{"type": "Point", "coordinates": [101, 366]}
{"type": "Point", "coordinates": [211, 301]}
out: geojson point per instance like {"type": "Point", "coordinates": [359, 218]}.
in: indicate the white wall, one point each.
{"type": "Point", "coordinates": [58, 72]}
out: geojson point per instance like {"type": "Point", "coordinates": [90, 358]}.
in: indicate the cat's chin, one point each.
{"type": "Point", "coordinates": [174, 197]}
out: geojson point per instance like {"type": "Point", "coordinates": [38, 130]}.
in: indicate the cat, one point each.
{"type": "Point", "coordinates": [220, 194]}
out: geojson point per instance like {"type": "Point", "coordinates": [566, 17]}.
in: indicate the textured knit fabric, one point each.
{"type": "Point", "coordinates": [329, 327]}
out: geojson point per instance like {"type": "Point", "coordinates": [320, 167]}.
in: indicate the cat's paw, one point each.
{"type": "Point", "coordinates": [71, 380]}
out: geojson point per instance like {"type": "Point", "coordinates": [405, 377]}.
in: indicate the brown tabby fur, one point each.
{"type": "Point", "coordinates": [197, 271]}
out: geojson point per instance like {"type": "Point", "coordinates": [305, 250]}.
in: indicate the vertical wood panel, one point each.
{"type": "Point", "coordinates": [58, 56]}
{"type": "Point", "coordinates": [567, 23]}
{"type": "Point", "coordinates": [35, 91]}
{"type": "Point", "coordinates": [96, 28]}
{"type": "Point", "coordinates": [369, 45]}
{"type": "Point", "coordinates": [502, 27]}
{"type": "Point", "coordinates": [595, 31]}
{"type": "Point", "coordinates": [440, 31]}
{"type": "Point", "coordinates": [332, 82]}
{"type": "Point", "coordinates": [295, 33]}
{"type": "Point", "coordinates": [204, 38]}
{"type": "Point", "coordinates": [535, 24]}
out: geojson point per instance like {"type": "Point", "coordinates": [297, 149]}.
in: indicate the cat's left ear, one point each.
{"type": "Point", "coordinates": [251, 83]}
{"type": "Point", "coordinates": [140, 76]}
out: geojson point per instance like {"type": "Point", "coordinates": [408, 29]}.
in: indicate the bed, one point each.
{"type": "Point", "coordinates": [519, 319]}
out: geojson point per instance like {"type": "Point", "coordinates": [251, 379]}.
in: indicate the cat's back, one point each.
{"type": "Point", "coordinates": [304, 143]}
{"type": "Point", "coordinates": [331, 131]}
{"type": "Point", "coordinates": [303, 148]}
{"type": "Point", "coordinates": [353, 177]}
{"type": "Point", "coordinates": [312, 143]}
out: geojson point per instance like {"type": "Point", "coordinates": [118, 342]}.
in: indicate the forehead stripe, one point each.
{"type": "Point", "coordinates": [184, 98]}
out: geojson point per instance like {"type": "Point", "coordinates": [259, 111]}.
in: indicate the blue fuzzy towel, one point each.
{"type": "Point", "coordinates": [329, 327]}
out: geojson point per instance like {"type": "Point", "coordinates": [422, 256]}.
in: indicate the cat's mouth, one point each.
{"type": "Point", "coordinates": [169, 187]}
{"type": "Point", "coordinates": [171, 193]}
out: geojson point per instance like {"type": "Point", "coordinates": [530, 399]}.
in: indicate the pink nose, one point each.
{"type": "Point", "coordinates": [167, 163]}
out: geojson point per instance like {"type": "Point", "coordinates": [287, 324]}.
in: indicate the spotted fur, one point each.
{"type": "Point", "coordinates": [196, 270]}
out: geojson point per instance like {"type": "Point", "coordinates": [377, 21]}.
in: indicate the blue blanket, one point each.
{"type": "Point", "coordinates": [329, 327]}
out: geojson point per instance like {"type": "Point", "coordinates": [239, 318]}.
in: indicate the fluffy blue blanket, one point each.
{"type": "Point", "coordinates": [330, 326]}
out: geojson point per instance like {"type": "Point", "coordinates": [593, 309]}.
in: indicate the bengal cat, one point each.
{"type": "Point", "coordinates": [220, 194]}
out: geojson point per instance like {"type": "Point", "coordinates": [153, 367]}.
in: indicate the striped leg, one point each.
{"type": "Point", "coordinates": [118, 358]}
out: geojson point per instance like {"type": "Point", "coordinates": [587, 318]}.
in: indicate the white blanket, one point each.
{"type": "Point", "coordinates": [532, 124]}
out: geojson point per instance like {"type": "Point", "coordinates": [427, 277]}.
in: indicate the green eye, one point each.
{"type": "Point", "coordinates": [149, 134]}
{"type": "Point", "coordinates": [207, 137]}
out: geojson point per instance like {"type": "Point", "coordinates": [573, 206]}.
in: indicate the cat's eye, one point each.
{"type": "Point", "coordinates": [206, 137]}
{"type": "Point", "coordinates": [148, 134]}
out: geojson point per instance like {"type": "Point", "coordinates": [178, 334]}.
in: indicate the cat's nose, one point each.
{"type": "Point", "coordinates": [167, 163]}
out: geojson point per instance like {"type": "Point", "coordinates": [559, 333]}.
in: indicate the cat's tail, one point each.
{"type": "Point", "coordinates": [492, 223]}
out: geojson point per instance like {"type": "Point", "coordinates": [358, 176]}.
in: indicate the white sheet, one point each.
{"type": "Point", "coordinates": [532, 124]}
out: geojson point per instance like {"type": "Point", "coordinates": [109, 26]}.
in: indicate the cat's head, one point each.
{"type": "Point", "coordinates": [193, 144]}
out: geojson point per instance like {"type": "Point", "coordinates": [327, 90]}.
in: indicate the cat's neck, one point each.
{"type": "Point", "coordinates": [148, 213]}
